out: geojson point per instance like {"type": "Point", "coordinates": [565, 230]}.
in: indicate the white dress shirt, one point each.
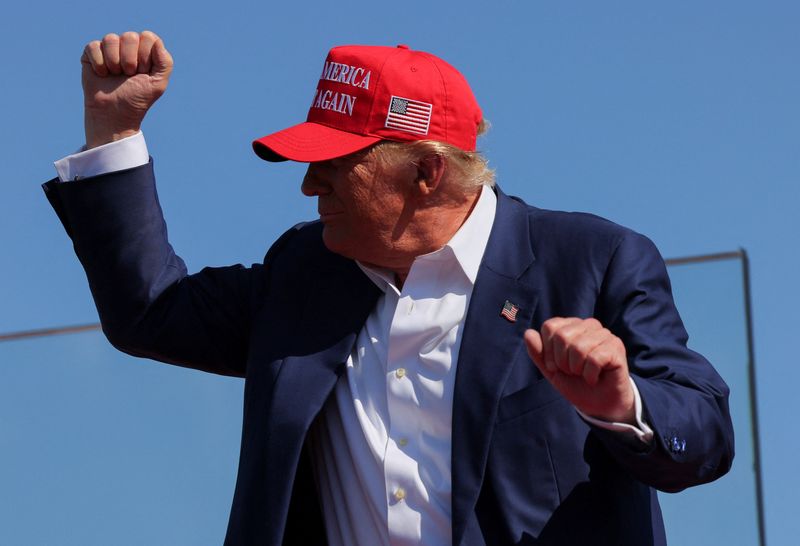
{"type": "Point", "coordinates": [382, 445]}
{"type": "Point", "coordinates": [122, 154]}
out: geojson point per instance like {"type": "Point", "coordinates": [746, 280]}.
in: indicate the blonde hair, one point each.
{"type": "Point", "coordinates": [469, 170]}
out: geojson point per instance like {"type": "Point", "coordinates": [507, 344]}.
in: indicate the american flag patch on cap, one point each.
{"type": "Point", "coordinates": [409, 115]}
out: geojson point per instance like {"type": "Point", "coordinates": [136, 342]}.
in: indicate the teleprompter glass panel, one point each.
{"type": "Point", "coordinates": [711, 300]}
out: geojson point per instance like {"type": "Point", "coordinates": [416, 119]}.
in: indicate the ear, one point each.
{"type": "Point", "coordinates": [430, 173]}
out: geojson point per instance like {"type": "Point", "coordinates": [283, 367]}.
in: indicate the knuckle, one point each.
{"type": "Point", "coordinates": [576, 354]}
{"type": "Point", "coordinates": [568, 333]}
{"type": "Point", "coordinates": [130, 35]}
{"type": "Point", "coordinates": [110, 38]}
{"type": "Point", "coordinates": [582, 346]}
{"type": "Point", "coordinates": [550, 326]}
{"type": "Point", "coordinates": [593, 322]}
{"type": "Point", "coordinates": [595, 360]}
{"type": "Point", "coordinates": [149, 35]}
{"type": "Point", "coordinates": [560, 339]}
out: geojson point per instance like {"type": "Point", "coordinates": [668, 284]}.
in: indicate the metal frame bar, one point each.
{"type": "Point", "coordinates": [741, 255]}
{"type": "Point", "coordinates": [719, 256]}
{"type": "Point", "coordinates": [42, 332]}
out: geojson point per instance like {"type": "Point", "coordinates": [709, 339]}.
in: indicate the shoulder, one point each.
{"type": "Point", "coordinates": [300, 251]}
{"type": "Point", "coordinates": [576, 233]}
{"type": "Point", "coordinates": [560, 223]}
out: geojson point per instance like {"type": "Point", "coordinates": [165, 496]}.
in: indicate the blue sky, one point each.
{"type": "Point", "coordinates": [680, 120]}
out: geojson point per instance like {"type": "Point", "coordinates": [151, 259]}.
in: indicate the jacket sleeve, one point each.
{"type": "Point", "coordinates": [147, 303]}
{"type": "Point", "coordinates": [685, 400]}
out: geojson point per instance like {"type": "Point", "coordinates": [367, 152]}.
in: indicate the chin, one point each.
{"type": "Point", "coordinates": [337, 244]}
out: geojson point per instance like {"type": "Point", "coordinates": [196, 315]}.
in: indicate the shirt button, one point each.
{"type": "Point", "coordinates": [399, 494]}
{"type": "Point", "coordinates": [402, 442]}
{"type": "Point", "coordinates": [400, 373]}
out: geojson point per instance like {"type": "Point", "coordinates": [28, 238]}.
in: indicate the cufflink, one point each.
{"type": "Point", "coordinates": [675, 445]}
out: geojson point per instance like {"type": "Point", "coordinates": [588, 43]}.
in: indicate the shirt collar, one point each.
{"type": "Point", "coordinates": [469, 242]}
{"type": "Point", "coordinates": [466, 247]}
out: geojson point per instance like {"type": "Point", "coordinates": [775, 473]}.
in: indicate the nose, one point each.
{"type": "Point", "coordinates": [314, 182]}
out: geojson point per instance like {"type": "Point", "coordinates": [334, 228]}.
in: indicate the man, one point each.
{"type": "Point", "coordinates": [389, 395]}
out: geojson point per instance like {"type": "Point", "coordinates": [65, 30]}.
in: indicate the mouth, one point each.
{"type": "Point", "coordinates": [329, 215]}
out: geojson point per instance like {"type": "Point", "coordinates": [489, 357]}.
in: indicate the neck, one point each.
{"type": "Point", "coordinates": [431, 230]}
{"type": "Point", "coordinates": [400, 278]}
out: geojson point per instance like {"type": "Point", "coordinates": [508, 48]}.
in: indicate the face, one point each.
{"type": "Point", "coordinates": [364, 204]}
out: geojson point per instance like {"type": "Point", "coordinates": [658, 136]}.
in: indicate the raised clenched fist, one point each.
{"type": "Point", "coordinates": [587, 364]}
{"type": "Point", "coordinates": [122, 77]}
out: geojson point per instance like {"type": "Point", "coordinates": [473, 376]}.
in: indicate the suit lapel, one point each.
{"type": "Point", "coordinates": [489, 347]}
{"type": "Point", "coordinates": [333, 315]}
{"type": "Point", "coordinates": [326, 332]}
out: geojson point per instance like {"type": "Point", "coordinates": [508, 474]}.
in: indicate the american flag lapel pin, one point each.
{"type": "Point", "coordinates": [509, 311]}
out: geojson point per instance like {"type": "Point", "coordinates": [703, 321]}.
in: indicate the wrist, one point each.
{"type": "Point", "coordinates": [625, 412]}
{"type": "Point", "coordinates": [99, 131]}
{"type": "Point", "coordinates": [123, 154]}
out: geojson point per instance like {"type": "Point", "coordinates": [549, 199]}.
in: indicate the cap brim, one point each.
{"type": "Point", "coordinates": [310, 142]}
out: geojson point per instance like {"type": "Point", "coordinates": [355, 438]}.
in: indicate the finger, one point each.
{"type": "Point", "coordinates": [549, 329]}
{"type": "Point", "coordinates": [593, 367]}
{"type": "Point", "coordinates": [110, 48]}
{"type": "Point", "coordinates": [93, 55]}
{"type": "Point", "coordinates": [533, 342]}
{"type": "Point", "coordinates": [146, 41]}
{"type": "Point", "coordinates": [129, 53]}
{"type": "Point", "coordinates": [581, 345]}
{"type": "Point", "coordinates": [561, 340]}
{"type": "Point", "coordinates": [161, 59]}
{"type": "Point", "coordinates": [608, 355]}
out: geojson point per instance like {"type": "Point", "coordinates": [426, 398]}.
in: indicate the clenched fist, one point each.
{"type": "Point", "coordinates": [587, 364]}
{"type": "Point", "coordinates": [122, 77]}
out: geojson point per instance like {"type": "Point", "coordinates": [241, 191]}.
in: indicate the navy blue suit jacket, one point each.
{"type": "Point", "coordinates": [526, 469]}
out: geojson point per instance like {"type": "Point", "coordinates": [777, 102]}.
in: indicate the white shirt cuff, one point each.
{"type": "Point", "coordinates": [641, 431]}
{"type": "Point", "coordinates": [119, 155]}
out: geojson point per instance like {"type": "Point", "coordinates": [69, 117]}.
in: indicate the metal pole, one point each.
{"type": "Point", "coordinates": [49, 332]}
{"type": "Point", "coordinates": [751, 370]}
{"type": "Point", "coordinates": [741, 255]}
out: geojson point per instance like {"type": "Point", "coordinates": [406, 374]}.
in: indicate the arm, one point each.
{"type": "Point", "coordinates": [147, 303]}
{"type": "Point", "coordinates": [685, 400]}
{"type": "Point", "coordinates": [637, 334]}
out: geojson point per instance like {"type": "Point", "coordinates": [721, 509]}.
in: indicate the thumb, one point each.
{"type": "Point", "coordinates": [161, 60]}
{"type": "Point", "coordinates": [533, 342]}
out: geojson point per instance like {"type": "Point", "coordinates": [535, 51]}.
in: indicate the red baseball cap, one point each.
{"type": "Point", "coordinates": [371, 93]}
